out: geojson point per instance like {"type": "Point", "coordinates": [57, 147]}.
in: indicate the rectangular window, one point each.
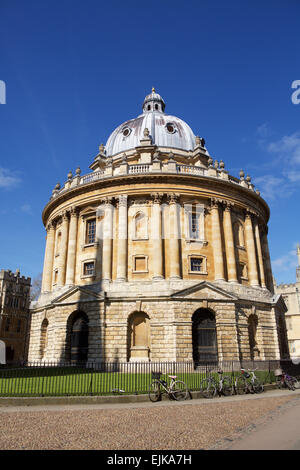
{"type": "Point", "coordinates": [90, 231]}
{"type": "Point", "coordinates": [197, 264]}
{"type": "Point", "coordinates": [89, 269]}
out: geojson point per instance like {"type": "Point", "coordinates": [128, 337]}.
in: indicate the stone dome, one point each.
{"type": "Point", "coordinates": [164, 130]}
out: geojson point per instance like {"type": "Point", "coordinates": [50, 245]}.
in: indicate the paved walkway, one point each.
{"type": "Point", "coordinates": [193, 424]}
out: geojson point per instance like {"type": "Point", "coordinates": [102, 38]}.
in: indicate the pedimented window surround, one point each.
{"type": "Point", "coordinates": [140, 226]}
{"type": "Point", "coordinates": [194, 223]}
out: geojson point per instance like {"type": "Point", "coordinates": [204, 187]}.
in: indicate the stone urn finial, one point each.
{"type": "Point", "coordinates": [216, 164]}
{"type": "Point", "coordinates": [242, 174]}
{"type": "Point", "coordinates": [146, 132]}
{"type": "Point", "coordinates": [101, 148]}
{"type": "Point", "coordinates": [198, 140]}
{"type": "Point", "coordinates": [78, 171]}
{"type": "Point", "coordinates": [222, 165]}
{"type": "Point", "coordinates": [70, 175]}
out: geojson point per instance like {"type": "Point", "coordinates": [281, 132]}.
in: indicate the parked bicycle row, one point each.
{"type": "Point", "coordinates": [218, 384]}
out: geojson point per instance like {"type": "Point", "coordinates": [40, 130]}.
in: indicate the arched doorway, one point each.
{"type": "Point", "coordinates": [138, 337]}
{"type": "Point", "coordinates": [204, 336]}
{"type": "Point", "coordinates": [78, 337]}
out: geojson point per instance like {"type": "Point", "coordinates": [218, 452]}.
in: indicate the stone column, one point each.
{"type": "Point", "coordinates": [71, 263]}
{"type": "Point", "coordinates": [157, 248]}
{"type": "Point", "coordinates": [259, 254]}
{"type": "Point", "coordinates": [48, 260]}
{"type": "Point", "coordinates": [229, 244]}
{"type": "Point", "coordinates": [250, 245]}
{"type": "Point", "coordinates": [122, 240]}
{"type": "Point", "coordinates": [63, 250]}
{"type": "Point", "coordinates": [174, 254]}
{"type": "Point", "coordinates": [107, 239]}
{"type": "Point", "coordinates": [217, 241]}
{"type": "Point", "coordinates": [267, 261]}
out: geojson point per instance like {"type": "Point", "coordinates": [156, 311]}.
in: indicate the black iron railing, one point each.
{"type": "Point", "coordinates": [108, 378]}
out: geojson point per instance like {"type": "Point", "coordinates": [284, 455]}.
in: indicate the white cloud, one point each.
{"type": "Point", "coordinates": [270, 186]}
{"type": "Point", "coordinates": [285, 162]}
{"type": "Point", "coordinates": [7, 179]}
{"type": "Point", "coordinates": [26, 208]}
{"type": "Point", "coordinates": [287, 262]}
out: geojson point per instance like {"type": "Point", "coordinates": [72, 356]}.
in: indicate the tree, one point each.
{"type": "Point", "coordinates": [36, 286]}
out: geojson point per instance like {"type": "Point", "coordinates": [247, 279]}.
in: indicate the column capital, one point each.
{"type": "Point", "coordinates": [64, 215]}
{"type": "Point", "coordinates": [50, 225]}
{"type": "Point", "coordinates": [228, 206]}
{"type": "Point", "coordinates": [173, 198]}
{"type": "Point", "coordinates": [74, 211]}
{"type": "Point", "coordinates": [122, 200]}
{"type": "Point", "coordinates": [107, 200]}
{"type": "Point", "coordinates": [250, 213]}
{"type": "Point", "coordinates": [157, 197]}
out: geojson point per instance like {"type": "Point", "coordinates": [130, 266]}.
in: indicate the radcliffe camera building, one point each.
{"type": "Point", "coordinates": [157, 254]}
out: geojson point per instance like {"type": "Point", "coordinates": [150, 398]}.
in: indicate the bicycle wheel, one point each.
{"type": "Point", "coordinates": [278, 382]}
{"type": "Point", "coordinates": [291, 383]}
{"type": "Point", "coordinates": [296, 383]}
{"type": "Point", "coordinates": [207, 389]}
{"type": "Point", "coordinates": [257, 386]}
{"type": "Point", "coordinates": [241, 386]}
{"type": "Point", "coordinates": [227, 388]}
{"type": "Point", "coordinates": [154, 391]}
{"type": "Point", "coordinates": [179, 390]}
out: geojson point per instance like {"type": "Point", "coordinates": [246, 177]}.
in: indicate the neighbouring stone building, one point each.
{"type": "Point", "coordinates": [291, 296]}
{"type": "Point", "coordinates": [14, 314]}
{"type": "Point", "coordinates": [158, 254]}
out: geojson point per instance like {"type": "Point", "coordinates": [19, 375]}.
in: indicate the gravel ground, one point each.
{"type": "Point", "coordinates": [193, 426]}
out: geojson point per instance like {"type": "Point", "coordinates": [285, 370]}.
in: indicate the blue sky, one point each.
{"type": "Point", "coordinates": [75, 70]}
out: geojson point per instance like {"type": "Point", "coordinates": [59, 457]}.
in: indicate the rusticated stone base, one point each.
{"type": "Point", "coordinates": [167, 324]}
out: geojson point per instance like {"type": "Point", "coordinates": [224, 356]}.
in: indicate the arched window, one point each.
{"type": "Point", "coordinates": [77, 337]}
{"type": "Point", "coordinates": [138, 337]}
{"type": "Point", "coordinates": [44, 337]}
{"type": "Point", "coordinates": [140, 226]}
{"type": "Point", "coordinates": [282, 336]}
{"type": "Point", "coordinates": [239, 234]}
{"type": "Point", "coordinates": [58, 243]}
{"type": "Point", "coordinates": [204, 336]}
{"type": "Point", "coordinates": [252, 329]}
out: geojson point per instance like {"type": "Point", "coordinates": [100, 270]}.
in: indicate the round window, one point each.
{"type": "Point", "coordinates": [170, 127]}
{"type": "Point", "coordinates": [126, 131]}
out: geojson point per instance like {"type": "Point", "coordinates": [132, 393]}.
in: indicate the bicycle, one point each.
{"type": "Point", "coordinates": [210, 386]}
{"type": "Point", "coordinates": [176, 390]}
{"type": "Point", "coordinates": [245, 383]}
{"type": "Point", "coordinates": [285, 380]}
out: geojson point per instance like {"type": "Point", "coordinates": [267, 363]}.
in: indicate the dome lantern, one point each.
{"type": "Point", "coordinates": [153, 103]}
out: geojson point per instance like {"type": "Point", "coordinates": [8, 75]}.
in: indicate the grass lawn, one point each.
{"type": "Point", "coordinates": [79, 381]}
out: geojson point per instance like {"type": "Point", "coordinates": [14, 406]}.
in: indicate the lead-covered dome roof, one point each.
{"type": "Point", "coordinates": [165, 130]}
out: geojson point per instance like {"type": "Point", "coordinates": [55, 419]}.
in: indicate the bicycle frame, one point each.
{"type": "Point", "coordinates": [167, 388]}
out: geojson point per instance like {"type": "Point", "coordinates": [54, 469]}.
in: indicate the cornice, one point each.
{"type": "Point", "coordinates": [207, 187]}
